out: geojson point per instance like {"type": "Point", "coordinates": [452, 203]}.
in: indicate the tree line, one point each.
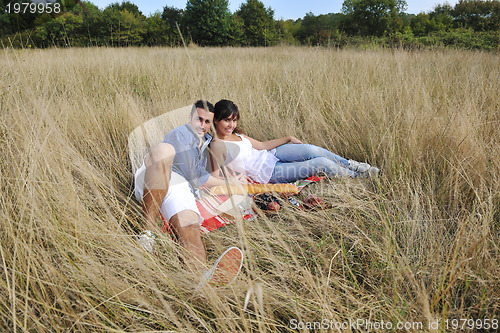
{"type": "Point", "coordinates": [469, 24]}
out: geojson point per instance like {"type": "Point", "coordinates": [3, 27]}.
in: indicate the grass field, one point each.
{"type": "Point", "coordinates": [417, 246]}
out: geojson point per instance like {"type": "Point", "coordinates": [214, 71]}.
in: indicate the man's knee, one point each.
{"type": "Point", "coordinates": [185, 219]}
{"type": "Point", "coordinates": [161, 152]}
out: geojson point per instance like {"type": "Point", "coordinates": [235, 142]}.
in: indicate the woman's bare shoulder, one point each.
{"type": "Point", "coordinates": [233, 137]}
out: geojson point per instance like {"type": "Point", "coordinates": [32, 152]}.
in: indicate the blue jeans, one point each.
{"type": "Point", "coordinates": [299, 161]}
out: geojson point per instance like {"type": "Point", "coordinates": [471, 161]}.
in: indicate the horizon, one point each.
{"type": "Point", "coordinates": [283, 9]}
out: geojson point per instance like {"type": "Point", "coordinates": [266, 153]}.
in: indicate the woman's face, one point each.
{"type": "Point", "coordinates": [226, 126]}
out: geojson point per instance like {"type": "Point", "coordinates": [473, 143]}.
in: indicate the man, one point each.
{"type": "Point", "coordinates": [169, 182]}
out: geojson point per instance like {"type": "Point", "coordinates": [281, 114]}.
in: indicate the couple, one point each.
{"type": "Point", "coordinates": [173, 171]}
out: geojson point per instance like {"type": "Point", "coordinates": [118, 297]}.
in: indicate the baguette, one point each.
{"type": "Point", "coordinates": [255, 189]}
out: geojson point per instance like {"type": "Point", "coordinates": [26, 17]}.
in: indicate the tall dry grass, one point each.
{"type": "Point", "coordinates": [419, 245]}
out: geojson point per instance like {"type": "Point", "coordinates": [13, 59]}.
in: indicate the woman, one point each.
{"type": "Point", "coordinates": [274, 161]}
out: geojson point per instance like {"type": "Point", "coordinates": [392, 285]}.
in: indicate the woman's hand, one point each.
{"type": "Point", "coordinates": [295, 140]}
{"type": "Point", "coordinates": [241, 178]}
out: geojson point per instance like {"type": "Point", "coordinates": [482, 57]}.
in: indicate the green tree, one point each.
{"type": "Point", "coordinates": [373, 17]}
{"type": "Point", "coordinates": [94, 27]}
{"type": "Point", "coordinates": [128, 6]}
{"type": "Point", "coordinates": [133, 28]}
{"type": "Point", "coordinates": [258, 23]}
{"type": "Point", "coordinates": [5, 26]}
{"type": "Point", "coordinates": [317, 30]}
{"type": "Point", "coordinates": [65, 30]}
{"type": "Point", "coordinates": [237, 31]}
{"type": "Point", "coordinates": [420, 24]}
{"type": "Point", "coordinates": [478, 15]}
{"type": "Point", "coordinates": [68, 5]}
{"type": "Point", "coordinates": [12, 22]}
{"type": "Point", "coordinates": [156, 30]}
{"type": "Point", "coordinates": [125, 24]}
{"type": "Point", "coordinates": [441, 18]}
{"type": "Point", "coordinates": [111, 30]}
{"type": "Point", "coordinates": [172, 18]}
{"type": "Point", "coordinates": [287, 30]}
{"type": "Point", "coordinates": [209, 22]}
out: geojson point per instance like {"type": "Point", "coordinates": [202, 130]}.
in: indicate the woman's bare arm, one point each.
{"type": "Point", "coordinates": [218, 154]}
{"type": "Point", "coordinates": [268, 145]}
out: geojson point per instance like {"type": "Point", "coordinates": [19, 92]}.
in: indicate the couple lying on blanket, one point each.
{"type": "Point", "coordinates": [173, 171]}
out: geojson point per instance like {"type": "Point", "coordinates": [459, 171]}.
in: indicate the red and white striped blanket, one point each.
{"type": "Point", "coordinates": [209, 203]}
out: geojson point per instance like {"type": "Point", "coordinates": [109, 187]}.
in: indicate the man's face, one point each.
{"type": "Point", "coordinates": [200, 121]}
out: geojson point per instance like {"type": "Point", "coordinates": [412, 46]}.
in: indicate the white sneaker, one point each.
{"type": "Point", "coordinates": [225, 269]}
{"type": "Point", "coordinates": [147, 240]}
{"type": "Point", "coordinates": [374, 172]}
{"type": "Point", "coordinates": [358, 166]}
{"type": "Point", "coordinates": [371, 172]}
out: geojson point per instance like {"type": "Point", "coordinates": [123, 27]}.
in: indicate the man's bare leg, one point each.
{"type": "Point", "coordinates": [158, 169]}
{"type": "Point", "coordinates": [187, 229]}
{"type": "Point", "coordinates": [225, 269]}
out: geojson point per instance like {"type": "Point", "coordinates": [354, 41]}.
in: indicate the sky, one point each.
{"type": "Point", "coordinates": [285, 9]}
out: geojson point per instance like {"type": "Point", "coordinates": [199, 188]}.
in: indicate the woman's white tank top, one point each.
{"type": "Point", "coordinates": [243, 158]}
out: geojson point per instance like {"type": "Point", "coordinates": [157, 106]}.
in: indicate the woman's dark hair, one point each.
{"type": "Point", "coordinates": [227, 109]}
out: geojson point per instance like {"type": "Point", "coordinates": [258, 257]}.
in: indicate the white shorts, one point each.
{"type": "Point", "coordinates": [179, 196]}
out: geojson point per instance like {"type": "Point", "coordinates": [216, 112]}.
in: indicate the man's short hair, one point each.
{"type": "Point", "coordinates": [202, 104]}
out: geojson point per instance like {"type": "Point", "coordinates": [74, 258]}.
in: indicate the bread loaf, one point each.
{"type": "Point", "coordinates": [255, 189]}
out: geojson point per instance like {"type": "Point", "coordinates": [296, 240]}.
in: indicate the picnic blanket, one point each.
{"type": "Point", "coordinates": [209, 207]}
